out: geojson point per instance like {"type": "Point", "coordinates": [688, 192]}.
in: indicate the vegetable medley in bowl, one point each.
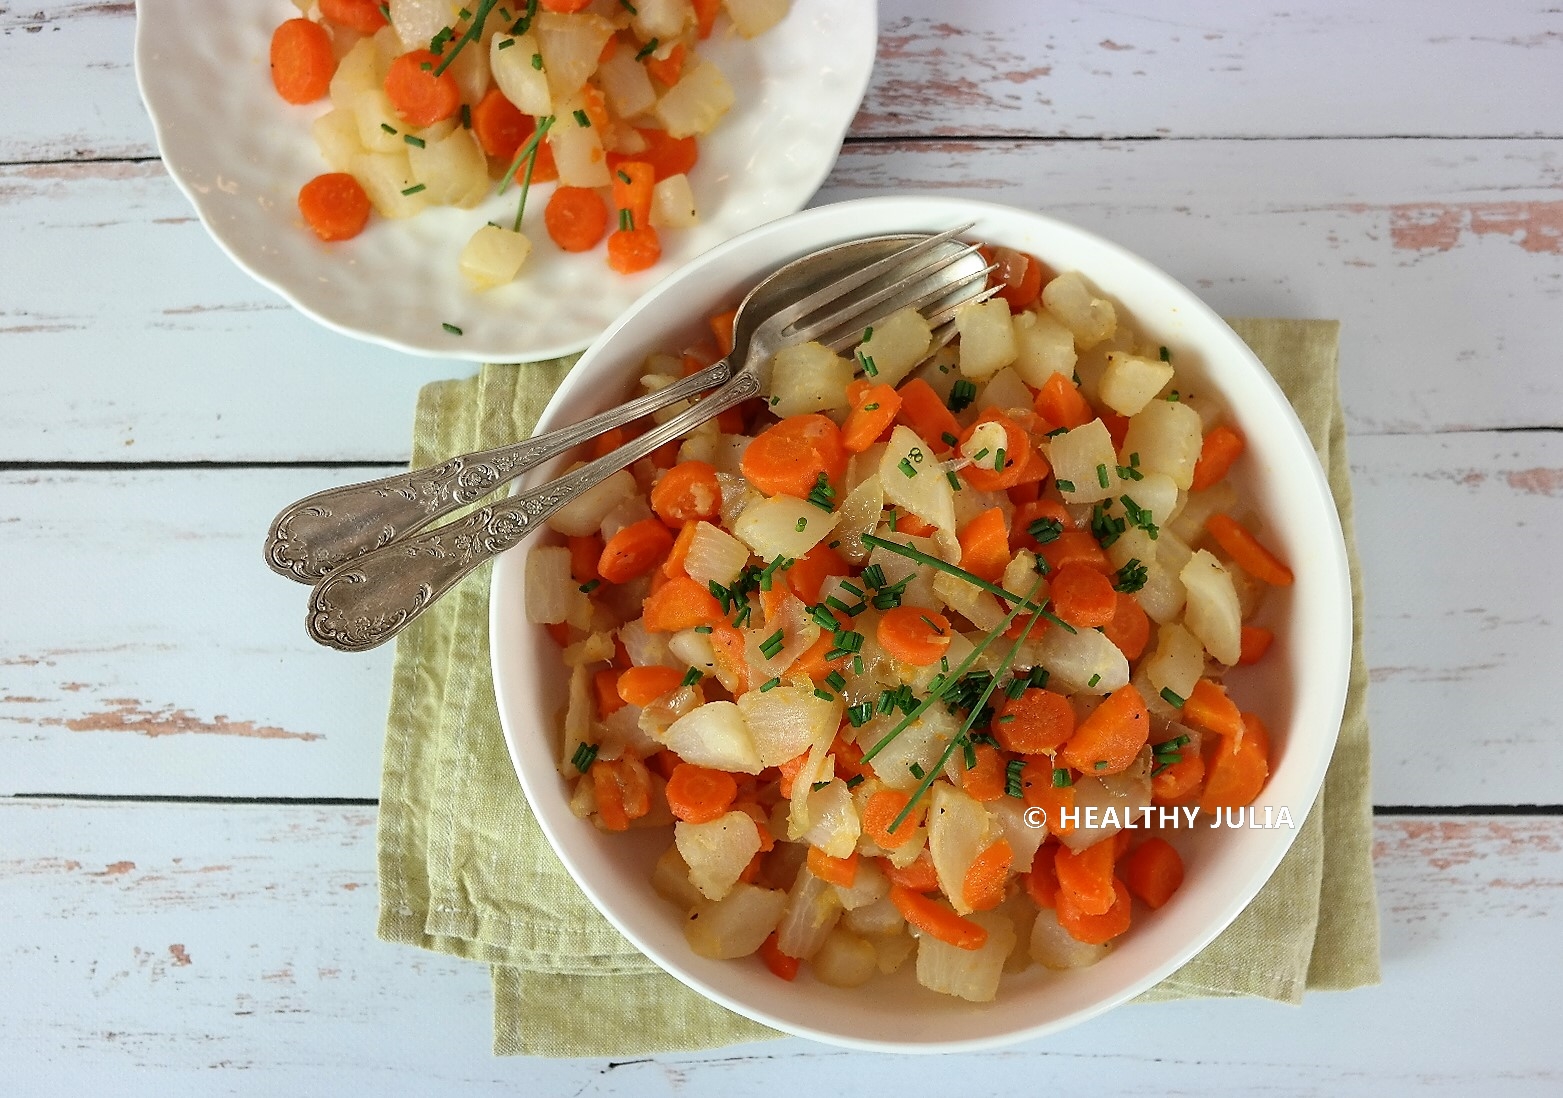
{"type": "Point", "coordinates": [905, 659]}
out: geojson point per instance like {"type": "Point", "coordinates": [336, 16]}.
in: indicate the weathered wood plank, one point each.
{"type": "Point", "coordinates": [230, 949]}
{"type": "Point", "coordinates": [1444, 261]}
{"type": "Point", "coordinates": [151, 651]}
{"type": "Point", "coordinates": [1071, 69]}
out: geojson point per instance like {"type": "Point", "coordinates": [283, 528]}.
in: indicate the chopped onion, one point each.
{"type": "Point", "coordinates": [717, 851]}
{"type": "Point", "coordinates": [736, 926]}
{"type": "Point", "coordinates": [958, 830]}
{"type": "Point", "coordinates": [811, 913]}
{"type": "Point", "coordinates": [714, 735]}
{"type": "Point", "coordinates": [1053, 947]}
{"type": "Point", "coordinates": [786, 721]}
{"type": "Point", "coordinates": [971, 974]}
{"type": "Point", "coordinates": [844, 960]}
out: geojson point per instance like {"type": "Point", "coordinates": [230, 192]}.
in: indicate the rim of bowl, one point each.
{"type": "Point", "coordinates": [928, 213]}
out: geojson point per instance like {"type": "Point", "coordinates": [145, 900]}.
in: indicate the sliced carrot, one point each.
{"type": "Point", "coordinates": [585, 552]}
{"type": "Point", "coordinates": [1130, 628]}
{"type": "Point", "coordinates": [686, 492]}
{"type": "Point", "coordinates": [334, 205]}
{"type": "Point", "coordinates": [983, 887]}
{"type": "Point", "coordinates": [363, 16]}
{"type": "Point", "coordinates": [914, 635]}
{"type": "Point", "coordinates": [778, 962]}
{"type": "Point", "coordinates": [674, 565]}
{"type": "Point", "coordinates": [606, 685]}
{"type": "Point", "coordinates": [1047, 517]}
{"type": "Point", "coordinates": [849, 759]}
{"type": "Point", "coordinates": [872, 414]}
{"type": "Point", "coordinates": [576, 218]}
{"type": "Point", "coordinates": [722, 328]}
{"type": "Point", "coordinates": [905, 522]}
{"type": "Point", "coordinates": [667, 155]}
{"type": "Point", "coordinates": [632, 183]}
{"type": "Point", "coordinates": [1095, 929]}
{"type": "Point", "coordinates": [643, 685]}
{"type": "Point", "coordinates": [1042, 880]}
{"type": "Point", "coordinates": [666, 455]}
{"type": "Point", "coordinates": [1074, 547]}
{"type": "Point", "coordinates": [806, 575]}
{"type": "Point", "coordinates": [925, 413]}
{"type": "Point", "coordinates": [727, 649]}
{"type": "Point", "coordinates": [634, 550]}
{"type": "Point", "coordinates": [564, 7]}
{"type": "Point", "coordinates": [836, 871]}
{"type": "Point", "coordinates": [1220, 449]}
{"type": "Point", "coordinates": [419, 97]}
{"type": "Point", "coordinates": [989, 779]}
{"type": "Point", "coordinates": [500, 128]}
{"type": "Point", "coordinates": [1060, 403]}
{"type": "Point", "coordinates": [560, 632]}
{"type": "Point", "coordinates": [789, 771]}
{"type": "Point", "coordinates": [1111, 736]}
{"type": "Point", "coordinates": [935, 918]}
{"type": "Point", "coordinates": [607, 442]}
{"type": "Point", "coordinates": [1020, 274]}
{"type": "Point", "coordinates": [1256, 642]}
{"type": "Point", "coordinates": [633, 250]}
{"type": "Point", "coordinates": [1087, 875]}
{"type": "Point", "coordinates": [1117, 426]}
{"type": "Point", "coordinates": [1236, 770]}
{"type": "Point", "coordinates": [667, 70]}
{"type": "Point", "coordinates": [663, 763]}
{"type": "Point", "coordinates": [1035, 722]}
{"type": "Point", "coordinates": [697, 794]}
{"type": "Point", "coordinates": [705, 16]}
{"type": "Point", "coordinates": [680, 603]}
{"type": "Point", "coordinates": [1244, 548]}
{"type": "Point", "coordinates": [919, 875]}
{"type": "Point", "coordinates": [1082, 596]}
{"type": "Point", "coordinates": [1036, 781]}
{"type": "Point", "coordinates": [301, 60]}
{"type": "Point", "coordinates": [1208, 707]}
{"type": "Point", "coordinates": [1179, 780]}
{"type": "Point", "coordinates": [881, 810]}
{"type": "Point", "coordinates": [1153, 871]}
{"type": "Point", "coordinates": [623, 788]}
{"type": "Point", "coordinates": [788, 458]}
{"type": "Point", "coordinates": [995, 472]}
{"type": "Point", "coordinates": [985, 545]}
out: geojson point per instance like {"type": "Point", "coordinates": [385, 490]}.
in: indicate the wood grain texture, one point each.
{"type": "Point", "coordinates": [229, 949]}
{"type": "Point", "coordinates": [209, 685]}
{"type": "Point", "coordinates": [1442, 260]}
{"type": "Point", "coordinates": [1069, 69]}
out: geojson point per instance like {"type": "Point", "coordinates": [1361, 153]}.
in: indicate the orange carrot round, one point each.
{"type": "Point", "coordinates": [585, 552]}
{"type": "Point", "coordinates": [1235, 770]}
{"type": "Point", "coordinates": [674, 565]}
{"type": "Point", "coordinates": [984, 545]}
{"type": "Point", "coordinates": [871, 416]}
{"type": "Point", "coordinates": [1255, 643]}
{"type": "Point", "coordinates": [1074, 547]}
{"type": "Point", "coordinates": [933, 917]}
{"type": "Point", "coordinates": [1153, 871]}
{"type": "Point", "coordinates": [632, 183]}
{"type": "Point", "coordinates": [1252, 557]}
{"type": "Point", "coordinates": [666, 154]}
{"type": "Point", "coordinates": [881, 811]}
{"type": "Point", "coordinates": [1060, 403]}
{"type": "Point", "coordinates": [1179, 780]}
{"type": "Point", "coordinates": [623, 788]}
{"type": "Point", "coordinates": [778, 962]}
{"type": "Point", "coordinates": [1083, 596]}
{"type": "Point", "coordinates": [994, 472]}
{"type": "Point", "coordinates": [924, 412]}
{"type": "Point", "coordinates": [643, 685]}
{"type": "Point", "coordinates": [1087, 875]}
{"type": "Point", "coordinates": [687, 491]}
{"type": "Point", "coordinates": [1036, 782]}
{"type": "Point", "coordinates": [419, 97]}
{"type": "Point", "coordinates": [576, 218]}
{"type": "Point", "coordinates": [680, 603]}
{"type": "Point", "coordinates": [1208, 707]}
{"type": "Point", "coordinates": [989, 779]}
{"type": "Point", "coordinates": [788, 457]}
{"type": "Point", "coordinates": [667, 70]}
{"type": "Point", "coordinates": [1041, 882]}
{"type": "Point", "coordinates": [919, 876]}
{"type": "Point", "coordinates": [1112, 735]}
{"type": "Point", "coordinates": [564, 7]}
{"type": "Point", "coordinates": [983, 887]}
{"type": "Point", "coordinates": [1095, 929]}
{"type": "Point", "coordinates": [301, 60]}
{"type": "Point", "coordinates": [836, 871]}
{"type": "Point", "coordinates": [363, 16]}
{"type": "Point", "coordinates": [500, 128]}
{"type": "Point", "coordinates": [634, 551]}
{"type": "Point", "coordinates": [633, 250]}
{"type": "Point", "coordinates": [1036, 722]}
{"type": "Point", "coordinates": [809, 572]}
{"type": "Point", "coordinates": [1130, 628]}
{"type": "Point", "coordinates": [1050, 517]}
{"type": "Point", "coordinates": [1219, 450]}
{"type": "Point", "coordinates": [914, 635]}
{"type": "Point", "coordinates": [334, 205]}
{"type": "Point", "coordinates": [699, 795]}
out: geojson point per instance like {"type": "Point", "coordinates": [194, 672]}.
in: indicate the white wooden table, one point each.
{"type": "Point", "coordinates": [187, 785]}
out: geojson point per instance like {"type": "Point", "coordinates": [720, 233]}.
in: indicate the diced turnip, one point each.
{"type": "Point", "coordinates": [717, 851]}
{"type": "Point", "coordinates": [737, 925]}
{"type": "Point", "coordinates": [1043, 347]}
{"type": "Point", "coordinates": [987, 338]}
{"type": "Point", "coordinates": [895, 345]}
{"type": "Point", "coordinates": [493, 256]}
{"type": "Point", "coordinates": [971, 974]}
{"type": "Point", "coordinates": [452, 169]}
{"type": "Point", "coordinates": [783, 526]}
{"type": "Point", "coordinates": [844, 960]}
{"type": "Point", "coordinates": [625, 83]}
{"type": "Point", "coordinates": [548, 584]}
{"type": "Point", "coordinates": [1212, 613]}
{"type": "Point", "coordinates": [714, 735]}
{"type": "Point", "coordinates": [786, 721]}
{"type": "Point", "coordinates": [661, 19]}
{"type": "Point", "coordinates": [1005, 390]}
{"type": "Point", "coordinates": [811, 913]}
{"type": "Point", "coordinates": [858, 515]}
{"type": "Point", "coordinates": [834, 824]}
{"type": "Point", "coordinates": [1130, 382]}
{"type": "Point", "coordinates": [1076, 659]}
{"type": "Point", "coordinates": [912, 479]}
{"type": "Point", "coordinates": [696, 103]}
{"type": "Point", "coordinates": [670, 880]}
{"type": "Point", "coordinates": [958, 830]}
{"type": "Point", "coordinates": [715, 556]}
{"type": "Point", "coordinates": [523, 83]}
{"type": "Point", "coordinates": [336, 136]}
{"type": "Point", "coordinates": [583, 515]}
{"type": "Point", "coordinates": [1166, 435]}
{"type": "Point", "coordinates": [1081, 460]}
{"type": "Point", "coordinates": [1054, 947]}
{"type": "Point", "coordinates": [808, 377]}
{"type": "Point", "coordinates": [755, 17]}
{"type": "Point", "coordinates": [1178, 661]}
{"type": "Point", "coordinates": [1089, 318]}
{"type": "Point", "coordinates": [673, 203]}
{"type": "Point", "coordinates": [570, 45]}
{"type": "Point", "coordinates": [577, 148]}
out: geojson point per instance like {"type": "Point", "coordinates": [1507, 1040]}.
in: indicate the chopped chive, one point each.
{"type": "Point", "coordinates": [868, 334]}
{"type": "Point", "coordinates": [414, 189]}
{"type": "Point", "coordinates": [1007, 718]}
{"type": "Point", "coordinates": [906, 468]}
{"type": "Point", "coordinates": [1012, 773]}
{"type": "Point", "coordinates": [998, 460]}
{"type": "Point", "coordinates": [505, 43]}
{"type": "Point", "coordinates": [624, 176]}
{"type": "Point", "coordinates": [647, 50]}
{"type": "Point", "coordinates": [860, 714]}
{"type": "Point", "coordinates": [955, 481]}
{"type": "Point", "coordinates": [802, 523]}
{"type": "Point", "coordinates": [1038, 677]}
{"type": "Point", "coordinates": [702, 629]}
{"type": "Point", "coordinates": [466, 117]}
{"type": "Point", "coordinates": [873, 576]}
{"type": "Point", "coordinates": [626, 221]}
{"type": "Point", "coordinates": [962, 393]}
{"type": "Point", "coordinates": [1102, 764]}
{"type": "Point", "coordinates": [857, 665]}
{"type": "Point", "coordinates": [970, 750]}
{"type": "Point", "coordinates": [1045, 530]}
{"type": "Point", "coordinates": [948, 439]}
{"type": "Point", "coordinates": [917, 772]}
{"type": "Point", "coordinates": [770, 685]}
{"type": "Point", "coordinates": [1131, 577]}
{"type": "Point", "coordinates": [627, 6]}
{"type": "Point", "coordinates": [585, 755]}
{"type": "Point", "coordinates": [415, 142]}
{"type": "Point", "coordinates": [1015, 689]}
{"type": "Point", "coordinates": [1172, 397]}
{"type": "Point", "coordinates": [1170, 698]}
{"type": "Point", "coordinates": [817, 786]}
{"type": "Point", "coordinates": [1065, 485]}
{"type": "Point", "coordinates": [692, 676]}
{"type": "Point", "coordinates": [588, 588]}
{"type": "Point", "coordinates": [425, 66]}
{"type": "Point", "coordinates": [1169, 759]}
{"type": "Point", "coordinates": [537, 62]}
{"type": "Point", "coordinates": [1094, 680]}
{"type": "Point", "coordinates": [583, 120]}
{"type": "Point", "coordinates": [773, 644]}
{"type": "Point", "coordinates": [835, 681]}
{"type": "Point", "coordinates": [867, 362]}
{"type": "Point", "coordinates": [980, 454]}
{"type": "Point", "coordinates": [823, 695]}
{"type": "Point", "coordinates": [1101, 475]}
{"type": "Point", "coordinates": [451, 328]}
{"type": "Point", "coordinates": [1061, 778]}
{"type": "Point", "coordinates": [874, 407]}
{"type": "Point", "coordinates": [387, 127]}
{"type": "Point", "coordinates": [854, 781]}
{"type": "Point", "coordinates": [1166, 355]}
{"type": "Point", "coordinates": [1019, 602]}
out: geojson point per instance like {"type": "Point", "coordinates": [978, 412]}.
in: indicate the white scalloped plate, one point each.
{"type": "Point", "coordinates": [240, 154]}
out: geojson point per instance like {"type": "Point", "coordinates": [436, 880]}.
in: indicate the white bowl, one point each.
{"type": "Point", "coordinates": [240, 154]}
{"type": "Point", "coordinates": [1299, 690]}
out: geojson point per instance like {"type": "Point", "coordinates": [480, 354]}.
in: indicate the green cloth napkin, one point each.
{"type": "Point", "coordinates": [465, 870]}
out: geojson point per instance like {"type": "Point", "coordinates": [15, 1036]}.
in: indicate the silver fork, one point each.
{"type": "Point", "coordinates": [369, 600]}
{"type": "Point", "coordinates": [322, 531]}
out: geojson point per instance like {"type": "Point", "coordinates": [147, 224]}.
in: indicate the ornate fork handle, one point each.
{"type": "Point", "coordinates": [321, 532]}
{"type": "Point", "coordinates": [368, 601]}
